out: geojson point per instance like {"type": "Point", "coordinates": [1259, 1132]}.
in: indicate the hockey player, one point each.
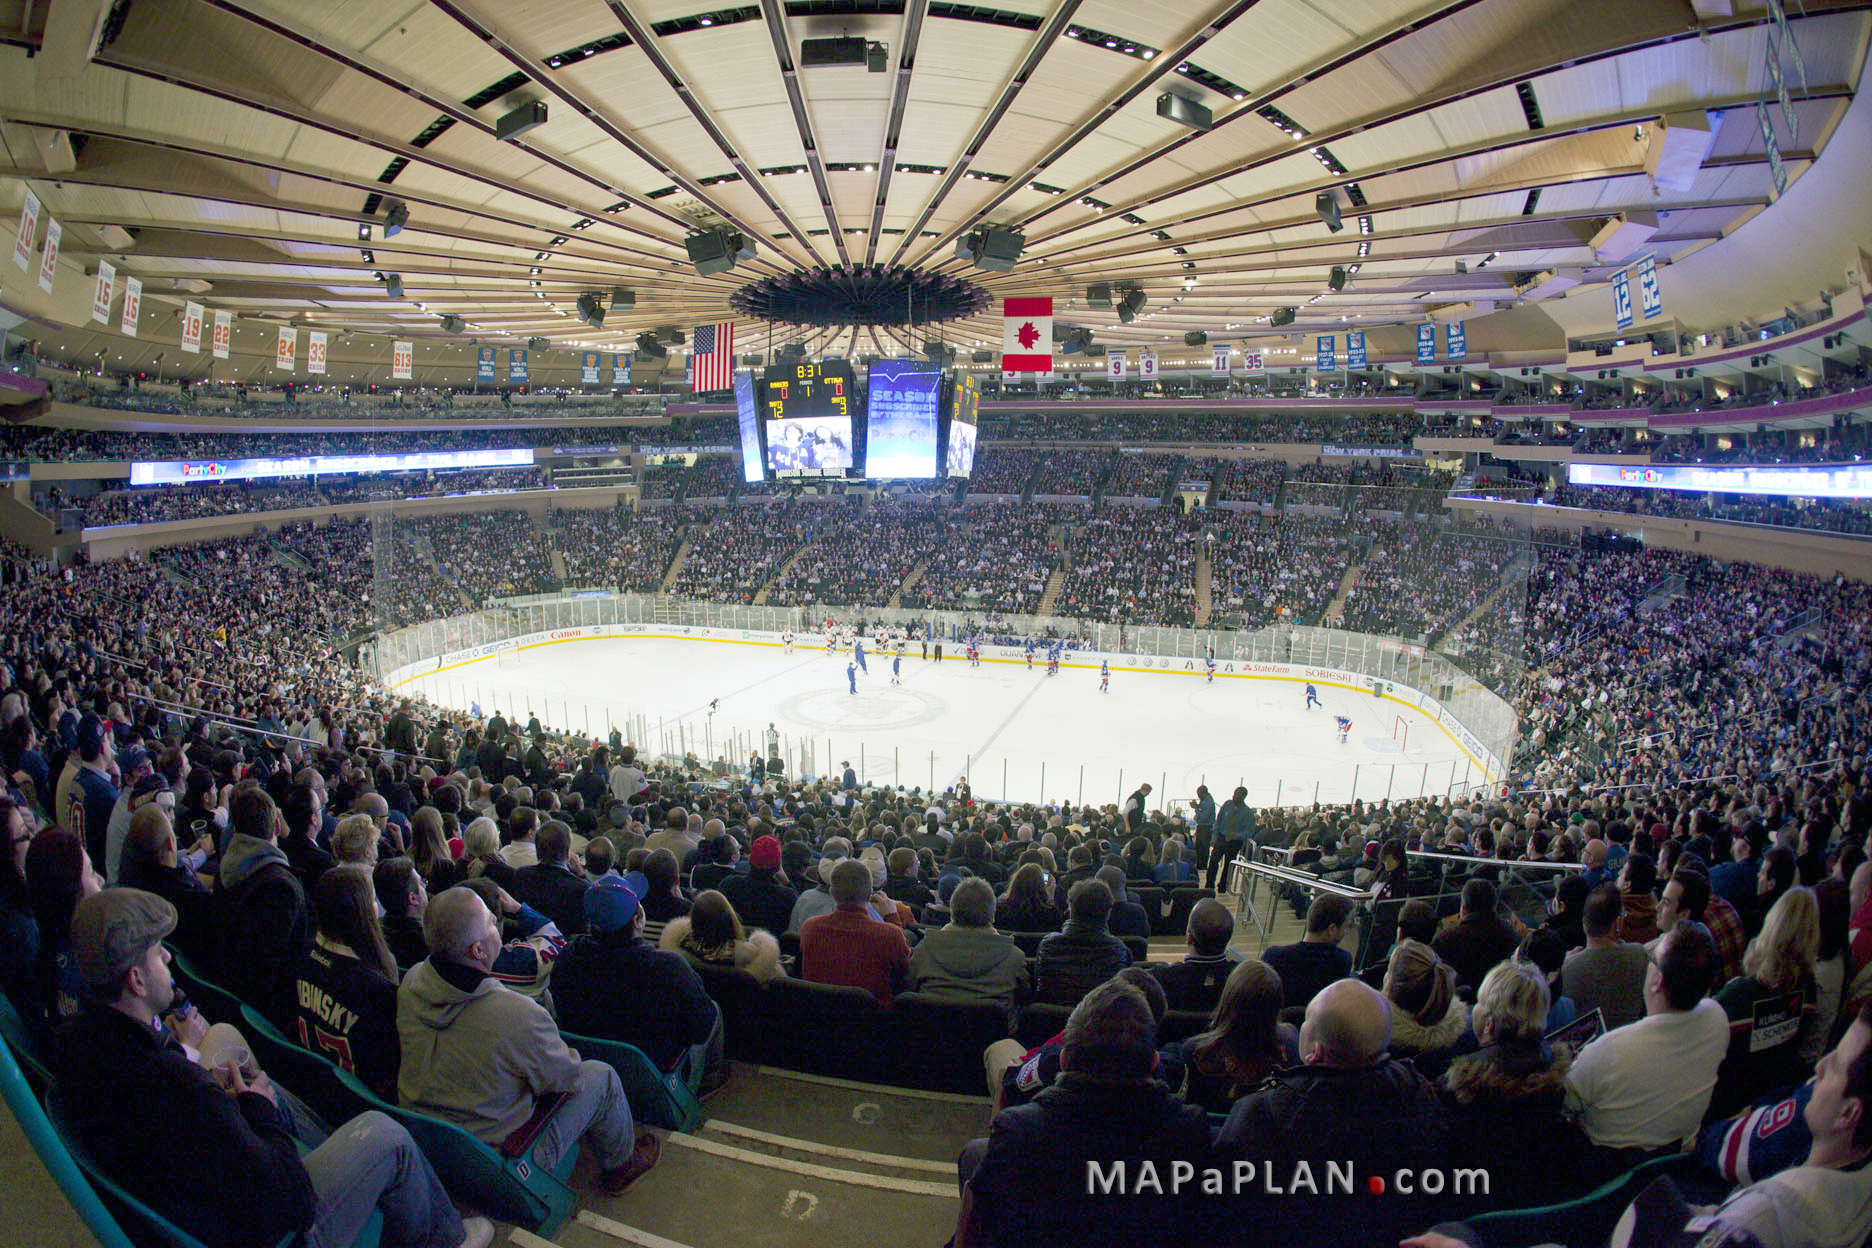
{"type": "Point", "coordinates": [1053, 662]}
{"type": "Point", "coordinates": [786, 640]}
{"type": "Point", "coordinates": [1209, 665]}
{"type": "Point", "coordinates": [858, 654]}
{"type": "Point", "coordinates": [1345, 727]}
{"type": "Point", "coordinates": [1030, 654]}
{"type": "Point", "coordinates": [897, 668]}
{"type": "Point", "coordinates": [1313, 699]}
{"type": "Point", "coordinates": [1104, 677]}
{"type": "Point", "coordinates": [831, 638]}
{"type": "Point", "coordinates": [851, 675]}
{"type": "Point", "coordinates": [974, 652]}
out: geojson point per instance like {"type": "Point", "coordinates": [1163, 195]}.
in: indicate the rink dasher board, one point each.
{"type": "Point", "coordinates": [1466, 741]}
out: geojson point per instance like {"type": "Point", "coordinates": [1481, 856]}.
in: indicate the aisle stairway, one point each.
{"type": "Point", "coordinates": [909, 582]}
{"type": "Point", "coordinates": [786, 565]}
{"type": "Point", "coordinates": [1203, 596]}
{"type": "Point", "coordinates": [1051, 593]}
{"type": "Point", "coordinates": [1335, 610]}
{"type": "Point", "coordinates": [425, 550]}
{"type": "Point", "coordinates": [675, 564]}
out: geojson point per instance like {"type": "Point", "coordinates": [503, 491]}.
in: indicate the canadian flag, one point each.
{"type": "Point", "coordinates": [1027, 335]}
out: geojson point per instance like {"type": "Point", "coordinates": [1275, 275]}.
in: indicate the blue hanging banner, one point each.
{"type": "Point", "coordinates": [1621, 299]}
{"type": "Point", "coordinates": [588, 368]}
{"type": "Point", "coordinates": [1458, 339]}
{"type": "Point", "coordinates": [1325, 357]}
{"type": "Point", "coordinates": [620, 369]}
{"type": "Point", "coordinates": [1650, 297]}
{"type": "Point", "coordinates": [1426, 344]}
{"type": "Point", "coordinates": [516, 365]}
{"type": "Point", "coordinates": [484, 363]}
{"type": "Point", "coordinates": [1355, 350]}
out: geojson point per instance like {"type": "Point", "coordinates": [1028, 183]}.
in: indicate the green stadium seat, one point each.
{"type": "Point", "coordinates": [656, 1098]}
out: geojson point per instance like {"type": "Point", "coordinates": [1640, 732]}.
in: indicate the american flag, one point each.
{"type": "Point", "coordinates": [711, 357]}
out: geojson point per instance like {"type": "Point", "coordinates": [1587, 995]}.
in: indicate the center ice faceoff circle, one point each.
{"type": "Point", "coordinates": [886, 708]}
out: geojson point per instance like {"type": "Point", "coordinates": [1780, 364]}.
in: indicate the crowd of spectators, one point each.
{"type": "Point", "coordinates": [160, 503]}
{"type": "Point", "coordinates": [1419, 580]}
{"type": "Point", "coordinates": [490, 554]}
{"type": "Point", "coordinates": [1140, 475]}
{"type": "Point", "coordinates": [1823, 515]}
{"type": "Point", "coordinates": [1071, 472]}
{"type": "Point", "coordinates": [860, 557]}
{"type": "Point", "coordinates": [1355, 429]}
{"type": "Point", "coordinates": [1268, 567]}
{"type": "Point", "coordinates": [626, 548]}
{"type": "Point", "coordinates": [999, 560]}
{"type": "Point", "coordinates": [711, 476]}
{"type": "Point", "coordinates": [739, 549]}
{"type": "Point", "coordinates": [46, 443]}
{"type": "Point", "coordinates": [1132, 565]}
{"type": "Point", "coordinates": [1004, 469]}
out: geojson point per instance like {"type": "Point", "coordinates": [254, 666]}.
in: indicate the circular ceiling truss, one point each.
{"type": "Point", "coordinates": [248, 153]}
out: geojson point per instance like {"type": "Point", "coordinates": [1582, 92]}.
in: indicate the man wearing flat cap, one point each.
{"type": "Point", "coordinates": [213, 1152]}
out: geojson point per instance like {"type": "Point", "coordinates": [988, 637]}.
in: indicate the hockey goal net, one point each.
{"type": "Point", "coordinates": [510, 657]}
{"type": "Point", "coordinates": [1400, 733]}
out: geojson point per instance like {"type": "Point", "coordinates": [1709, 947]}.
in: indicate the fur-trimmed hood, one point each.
{"type": "Point", "coordinates": [758, 955]}
{"type": "Point", "coordinates": [1502, 1073]}
{"type": "Point", "coordinates": [1410, 1036]}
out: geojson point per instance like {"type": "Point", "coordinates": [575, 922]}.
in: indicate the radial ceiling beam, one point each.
{"type": "Point", "coordinates": [774, 14]}
{"type": "Point", "coordinates": [1158, 69]}
{"type": "Point", "coordinates": [646, 42]}
{"type": "Point", "coordinates": [907, 41]}
{"type": "Point", "coordinates": [1044, 41]}
{"type": "Point", "coordinates": [464, 13]}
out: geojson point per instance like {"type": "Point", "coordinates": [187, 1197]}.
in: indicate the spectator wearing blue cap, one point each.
{"type": "Point", "coordinates": [612, 983]}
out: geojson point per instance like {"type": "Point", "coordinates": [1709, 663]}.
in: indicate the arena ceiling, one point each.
{"type": "Point", "coordinates": [248, 151]}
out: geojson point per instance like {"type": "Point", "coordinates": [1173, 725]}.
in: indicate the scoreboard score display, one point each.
{"type": "Point", "coordinates": [808, 418]}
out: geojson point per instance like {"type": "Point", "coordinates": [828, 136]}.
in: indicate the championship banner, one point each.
{"type": "Point", "coordinates": [1650, 298]}
{"type": "Point", "coordinates": [191, 327]}
{"type": "Point", "coordinates": [1252, 362]}
{"type": "Point", "coordinates": [1621, 299]}
{"type": "Point", "coordinates": [132, 305]}
{"type": "Point", "coordinates": [1355, 350]}
{"type": "Point", "coordinates": [516, 366]}
{"type": "Point", "coordinates": [1115, 364]}
{"type": "Point", "coordinates": [315, 352]}
{"type": "Point", "coordinates": [223, 334]}
{"type": "Point", "coordinates": [48, 261]}
{"type": "Point", "coordinates": [103, 292]}
{"type": "Point", "coordinates": [621, 369]}
{"type": "Point", "coordinates": [588, 368]}
{"type": "Point", "coordinates": [1219, 360]}
{"type": "Point", "coordinates": [286, 349]}
{"type": "Point", "coordinates": [1147, 365]}
{"type": "Point", "coordinates": [484, 363]}
{"type": "Point", "coordinates": [1325, 356]}
{"type": "Point", "coordinates": [402, 360]}
{"type": "Point", "coordinates": [1458, 339]}
{"type": "Point", "coordinates": [1426, 344]}
{"type": "Point", "coordinates": [28, 230]}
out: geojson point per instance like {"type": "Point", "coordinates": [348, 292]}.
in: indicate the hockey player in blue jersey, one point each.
{"type": "Point", "coordinates": [1209, 666]}
{"type": "Point", "coordinates": [974, 652]}
{"type": "Point", "coordinates": [1053, 662]}
{"type": "Point", "coordinates": [1313, 699]}
{"type": "Point", "coordinates": [1345, 727]}
{"type": "Point", "coordinates": [851, 674]}
{"type": "Point", "coordinates": [897, 668]}
{"type": "Point", "coordinates": [1030, 656]}
{"type": "Point", "coordinates": [1104, 677]}
{"type": "Point", "coordinates": [858, 655]}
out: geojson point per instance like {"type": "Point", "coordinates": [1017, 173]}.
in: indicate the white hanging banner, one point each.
{"type": "Point", "coordinates": [315, 352]}
{"type": "Point", "coordinates": [1115, 364]}
{"type": "Point", "coordinates": [48, 262]}
{"type": "Point", "coordinates": [286, 350]}
{"type": "Point", "coordinates": [28, 230]}
{"type": "Point", "coordinates": [1219, 360]}
{"type": "Point", "coordinates": [191, 327]}
{"type": "Point", "coordinates": [402, 360]}
{"type": "Point", "coordinates": [132, 305]}
{"type": "Point", "coordinates": [223, 334]}
{"type": "Point", "coordinates": [1147, 365]}
{"type": "Point", "coordinates": [104, 291]}
{"type": "Point", "coordinates": [1252, 362]}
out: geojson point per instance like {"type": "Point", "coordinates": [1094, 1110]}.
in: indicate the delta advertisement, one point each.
{"type": "Point", "coordinates": [1845, 481]}
{"type": "Point", "coordinates": [196, 471]}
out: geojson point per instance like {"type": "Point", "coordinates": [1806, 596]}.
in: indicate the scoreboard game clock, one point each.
{"type": "Point", "coordinates": [808, 414]}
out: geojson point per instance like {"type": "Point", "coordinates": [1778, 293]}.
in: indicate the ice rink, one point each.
{"type": "Point", "coordinates": [1016, 733]}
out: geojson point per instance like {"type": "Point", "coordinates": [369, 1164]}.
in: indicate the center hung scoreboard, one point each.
{"type": "Point", "coordinates": [812, 419]}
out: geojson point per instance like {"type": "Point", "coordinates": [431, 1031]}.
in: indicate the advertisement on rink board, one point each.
{"type": "Point", "coordinates": [1088, 660]}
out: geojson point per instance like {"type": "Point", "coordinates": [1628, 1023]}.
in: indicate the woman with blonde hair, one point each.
{"type": "Point", "coordinates": [1245, 1043]}
{"type": "Point", "coordinates": [712, 935]}
{"type": "Point", "coordinates": [429, 850]}
{"type": "Point", "coordinates": [481, 852]}
{"type": "Point", "coordinates": [1427, 1019]}
{"type": "Point", "coordinates": [1508, 1098]}
{"type": "Point", "coordinates": [1771, 1005]}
